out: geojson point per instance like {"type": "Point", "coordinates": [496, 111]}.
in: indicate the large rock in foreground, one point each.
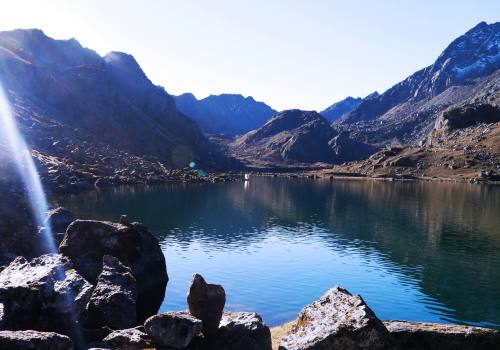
{"type": "Point", "coordinates": [173, 329]}
{"type": "Point", "coordinates": [43, 294]}
{"type": "Point", "coordinates": [431, 336]}
{"type": "Point", "coordinates": [87, 241]}
{"type": "Point", "coordinates": [113, 301]}
{"type": "Point", "coordinates": [26, 340]}
{"type": "Point", "coordinates": [337, 320]}
{"type": "Point", "coordinates": [129, 339]}
{"type": "Point", "coordinates": [206, 302]}
{"type": "Point", "coordinates": [241, 331]}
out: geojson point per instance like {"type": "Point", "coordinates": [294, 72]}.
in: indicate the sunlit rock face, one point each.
{"type": "Point", "coordinates": [337, 320]}
{"type": "Point", "coordinates": [45, 294]}
{"type": "Point", "coordinates": [406, 112]}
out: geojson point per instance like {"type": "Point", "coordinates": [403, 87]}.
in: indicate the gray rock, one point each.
{"type": "Point", "coordinates": [337, 320]}
{"type": "Point", "coordinates": [45, 293]}
{"type": "Point", "coordinates": [432, 336]}
{"type": "Point", "coordinates": [206, 302]}
{"type": "Point", "coordinates": [59, 219]}
{"type": "Point", "coordinates": [241, 331]}
{"type": "Point", "coordinates": [174, 329]}
{"type": "Point", "coordinates": [87, 241]}
{"type": "Point", "coordinates": [26, 340]}
{"type": "Point", "coordinates": [113, 301]}
{"type": "Point", "coordinates": [129, 339]}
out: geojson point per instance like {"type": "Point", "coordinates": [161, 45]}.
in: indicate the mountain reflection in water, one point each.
{"type": "Point", "coordinates": [417, 251]}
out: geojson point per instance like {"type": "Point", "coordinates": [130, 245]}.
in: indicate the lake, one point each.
{"type": "Point", "coordinates": [417, 251]}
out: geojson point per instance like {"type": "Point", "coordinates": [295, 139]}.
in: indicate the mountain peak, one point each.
{"type": "Point", "coordinates": [126, 65]}
{"type": "Point", "coordinates": [229, 114]}
{"type": "Point", "coordinates": [122, 58]}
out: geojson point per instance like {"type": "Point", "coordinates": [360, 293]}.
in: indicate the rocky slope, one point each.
{"type": "Point", "coordinates": [405, 114]}
{"type": "Point", "coordinates": [338, 109]}
{"type": "Point", "coordinates": [227, 114]}
{"type": "Point", "coordinates": [88, 116]}
{"type": "Point", "coordinates": [296, 138]}
{"type": "Point", "coordinates": [471, 153]}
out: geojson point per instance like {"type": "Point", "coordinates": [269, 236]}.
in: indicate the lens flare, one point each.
{"type": "Point", "coordinates": [25, 167]}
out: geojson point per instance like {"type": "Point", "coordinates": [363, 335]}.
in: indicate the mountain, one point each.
{"type": "Point", "coordinates": [227, 114]}
{"type": "Point", "coordinates": [338, 109]}
{"type": "Point", "coordinates": [95, 114]}
{"type": "Point", "coordinates": [296, 137]}
{"type": "Point", "coordinates": [406, 113]}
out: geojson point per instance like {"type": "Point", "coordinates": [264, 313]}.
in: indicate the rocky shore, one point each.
{"type": "Point", "coordinates": [103, 287]}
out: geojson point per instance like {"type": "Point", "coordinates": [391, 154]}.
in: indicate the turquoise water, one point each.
{"type": "Point", "coordinates": [414, 251]}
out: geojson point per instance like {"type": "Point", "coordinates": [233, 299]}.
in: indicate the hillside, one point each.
{"type": "Point", "coordinates": [297, 138]}
{"type": "Point", "coordinates": [88, 117]}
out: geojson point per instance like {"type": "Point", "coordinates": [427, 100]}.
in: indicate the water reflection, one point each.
{"type": "Point", "coordinates": [422, 251]}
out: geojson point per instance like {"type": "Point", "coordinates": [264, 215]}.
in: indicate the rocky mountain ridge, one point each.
{"type": "Point", "coordinates": [228, 114]}
{"type": "Point", "coordinates": [406, 113]}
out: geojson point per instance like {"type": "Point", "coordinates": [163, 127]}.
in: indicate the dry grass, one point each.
{"type": "Point", "coordinates": [278, 332]}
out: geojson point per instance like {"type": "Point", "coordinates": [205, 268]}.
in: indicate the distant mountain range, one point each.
{"type": "Point", "coordinates": [103, 116]}
{"type": "Point", "coordinates": [227, 114]}
{"type": "Point", "coordinates": [338, 109]}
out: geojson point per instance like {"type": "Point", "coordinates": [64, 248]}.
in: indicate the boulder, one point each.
{"type": "Point", "coordinates": [113, 301]}
{"type": "Point", "coordinates": [241, 331]}
{"type": "Point", "coordinates": [59, 219]}
{"type": "Point", "coordinates": [206, 302]}
{"type": "Point", "coordinates": [129, 339]}
{"type": "Point", "coordinates": [44, 294]}
{"type": "Point", "coordinates": [87, 241]}
{"type": "Point", "coordinates": [337, 320]}
{"type": "Point", "coordinates": [26, 340]}
{"type": "Point", "coordinates": [432, 336]}
{"type": "Point", "coordinates": [173, 329]}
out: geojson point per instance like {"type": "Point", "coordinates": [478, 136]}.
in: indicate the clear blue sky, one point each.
{"type": "Point", "coordinates": [290, 54]}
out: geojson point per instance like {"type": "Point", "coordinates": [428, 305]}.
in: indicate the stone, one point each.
{"type": "Point", "coordinates": [174, 329]}
{"type": "Point", "coordinates": [113, 301]}
{"type": "Point", "coordinates": [206, 302]}
{"type": "Point", "coordinates": [432, 336]}
{"type": "Point", "coordinates": [124, 220]}
{"type": "Point", "coordinates": [241, 331]}
{"type": "Point", "coordinates": [26, 340]}
{"type": "Point", "coordinates": [129, 339]}
{"type": "Point", "coordinates": [87, 241]}
{"type": "Point", "coordinates": [59, 219]}
{"type": "Point", "coordinates": [44, 294]}
{"type": "Point", "coordinates": [337, 320]}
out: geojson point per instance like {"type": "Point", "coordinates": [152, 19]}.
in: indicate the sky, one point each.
{"type": "Point", "coordinates": [290, 54]}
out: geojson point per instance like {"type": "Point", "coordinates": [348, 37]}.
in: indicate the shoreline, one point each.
{"type": "Point", "coordinates": [221, 177]}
